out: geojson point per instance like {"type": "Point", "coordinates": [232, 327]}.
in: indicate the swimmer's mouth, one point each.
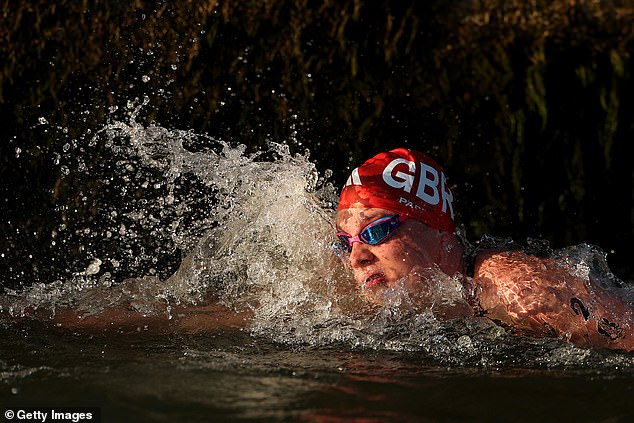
{"type": "Point", "coordinates": [374, 280]}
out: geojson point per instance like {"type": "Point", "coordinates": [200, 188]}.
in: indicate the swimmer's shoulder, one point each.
{"type": "Point", "coordinates": [494, 264]}
{"type": "Point", "coordinates": [541, 296]}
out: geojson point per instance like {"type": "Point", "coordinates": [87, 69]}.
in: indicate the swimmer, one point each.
{"type": "Point", "coordinates": [396, 227]}
{"type": "Point", "coordinates": [396, 223]}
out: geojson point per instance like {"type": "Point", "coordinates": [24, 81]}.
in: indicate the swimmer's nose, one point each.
{"type": "Point", "coordinates": [361, 255]}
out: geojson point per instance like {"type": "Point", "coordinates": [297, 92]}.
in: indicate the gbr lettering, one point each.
{"type": "Point", "coordinates": [432, 187]}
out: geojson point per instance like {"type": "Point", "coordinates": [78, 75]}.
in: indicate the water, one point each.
{"type": "Point", "coordinates": [231, 375]}
{"type": "Point", "coordinates": [252, 231]}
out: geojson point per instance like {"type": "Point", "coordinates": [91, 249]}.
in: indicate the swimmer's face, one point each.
{"type": "Point", "coordinates": [413, 247]}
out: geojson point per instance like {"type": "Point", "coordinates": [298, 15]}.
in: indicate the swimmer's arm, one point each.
{"type": "Point", "coordinates": [212, 317]}
{"type": "Point", "coordinates": [539, 297]}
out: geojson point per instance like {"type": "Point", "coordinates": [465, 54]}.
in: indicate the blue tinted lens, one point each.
{"type": "Point", "coordinates": [379, 232]}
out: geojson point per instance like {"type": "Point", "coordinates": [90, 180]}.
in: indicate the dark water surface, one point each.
{"type": "Point", "coordinates": [234, 376]}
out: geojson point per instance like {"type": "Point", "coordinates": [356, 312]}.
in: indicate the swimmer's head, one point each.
{"type": "Point", "coordinates": [396, 221]}
{"type": "Point", "coordinates": [405, 181]}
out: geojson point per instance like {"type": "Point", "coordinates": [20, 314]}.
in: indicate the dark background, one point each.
{"type": "Point", "coordinates": [528, 105]}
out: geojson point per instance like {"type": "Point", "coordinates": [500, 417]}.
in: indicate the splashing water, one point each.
{"type": "Point", "coordinates": [254, 232]}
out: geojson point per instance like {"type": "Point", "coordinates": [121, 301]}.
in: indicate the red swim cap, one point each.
{"type": "Point", "coordinates": [404, 181]}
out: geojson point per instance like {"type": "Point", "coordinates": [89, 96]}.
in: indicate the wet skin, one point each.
{"type": "Point", "coordinates": [413, 247]}
{"type": "Point", "coordinates": [210, 317]}
{"type": "Point", "coordinates": [526, 294]}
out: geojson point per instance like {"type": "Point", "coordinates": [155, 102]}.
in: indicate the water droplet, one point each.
{"type": "Point", "coordinates": [145, 78]}
{"type": "Point", "coordinates": [93, 268]}
{"type": "Point", "coordinates": [42, 121]}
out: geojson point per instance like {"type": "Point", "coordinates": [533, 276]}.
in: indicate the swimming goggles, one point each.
{"type": "Point", "coordinates": [374, 233]}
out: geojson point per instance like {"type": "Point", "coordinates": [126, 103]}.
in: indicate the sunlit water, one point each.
{"type": "Point", "coordinates": [255, 231]}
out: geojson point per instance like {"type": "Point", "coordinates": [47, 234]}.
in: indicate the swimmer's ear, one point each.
{"type": "Point", "coordinates": [445, 244]}
{"type": "Point", "coordinates": [451, 250]}
{"type": "Point", "coordinates": [446, 241]}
